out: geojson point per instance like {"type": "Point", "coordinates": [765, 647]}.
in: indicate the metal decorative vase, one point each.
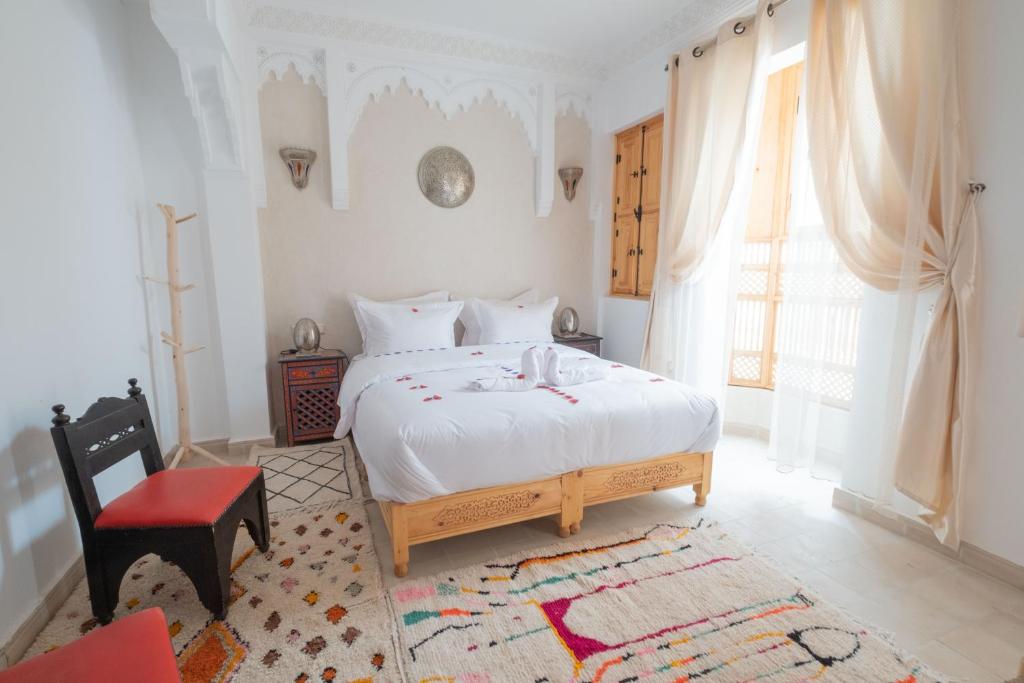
{"type": "Point", "coordinates": [306, 335]}
{"type": "Point", "coordinates": [568, 322]}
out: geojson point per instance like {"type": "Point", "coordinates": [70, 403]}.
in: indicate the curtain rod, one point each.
{"type": "Point", "coordinates": [739, 28]}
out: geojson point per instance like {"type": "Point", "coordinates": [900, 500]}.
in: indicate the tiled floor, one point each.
{"type": "Point", "coordinates": [956, 619]}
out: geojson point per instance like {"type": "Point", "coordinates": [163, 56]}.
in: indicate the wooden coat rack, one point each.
{"type": "Point", "coordinates": [176, 340]}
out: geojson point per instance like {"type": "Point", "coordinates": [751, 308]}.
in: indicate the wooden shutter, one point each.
{"type": "Point", "coordinates": [624, 229]}
{"type": "Point", "coordinates": [637, 208]}
{"type": "Point", "coordinates": [650, 193]}
{"type": "Point", "coordinates": [624, 262]}
{"type": "Point", "coordinates": [628, 175]}
{"type": "Point", "coordinates": [759, 295]}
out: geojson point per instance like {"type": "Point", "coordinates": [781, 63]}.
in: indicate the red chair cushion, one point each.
{"type": "Point", "coordinates": [134, 648]}
{"type": "Point", "coordinates": [169, 498]}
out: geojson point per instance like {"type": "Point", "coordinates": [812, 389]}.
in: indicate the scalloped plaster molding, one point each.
{"type": "Point", "coordinates": [350, 85]}
{"type": "Point", "coordinates": [268, 16]}
{"type": "Point", "coordinates": [579, 103]}
{"type": "Point", "coordinates": [449, 91]}
{"type": "Point", "coordinates": [309, 63]}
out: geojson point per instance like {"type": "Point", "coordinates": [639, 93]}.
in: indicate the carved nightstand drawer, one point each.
{"type": "Point", "coordinates": [313, 372]}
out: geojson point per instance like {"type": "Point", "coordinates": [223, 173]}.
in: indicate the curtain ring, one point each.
{"type": "Point", "coordinates": [771, 9]}
{"type": "Point", "coordinates": [698, 51]}
{"type": "Point", "coordinates": [739, 29]}
{"type": "Point", "coordinates": [976, 188]}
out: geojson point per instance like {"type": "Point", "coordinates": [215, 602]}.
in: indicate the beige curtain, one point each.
{"type": "Point", "coordinates": [890, 170]}
{"type": "Point", "coordinates": [706, 122]}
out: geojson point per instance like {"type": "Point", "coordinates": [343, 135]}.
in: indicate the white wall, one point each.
{"type": "Point", "coordinates": [101, 131]}
{"type": "Point", "coordinates": [171, 157]}
{"type": "Point", "coordinates": [994, 99]}
{"type": "Point", "coordinates": [73, 311]}
{"type": "Point", "coordinates": [630, 96]}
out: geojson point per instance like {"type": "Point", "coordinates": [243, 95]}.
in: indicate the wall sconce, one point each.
{"type": "Point", "coordinates": [570, 179]}
{"type": "Point", "coordinates": [298, 161]}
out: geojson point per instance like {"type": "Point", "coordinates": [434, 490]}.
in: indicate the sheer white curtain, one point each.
{"type": "Point", "coordinates": [711, 115]}
{"type": "Point", "coordinates": [889, 161]}
{"type": "Point", "coordinates": [816, 337]}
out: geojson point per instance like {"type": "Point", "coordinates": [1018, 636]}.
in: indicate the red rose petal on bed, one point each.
{"type": "Point", "coordinates": [477, 353]}
{"type": "Point", "coordinates": [520, 306]}
{"type": "Point", "coordinates": [658, 379]}
{"type": "Point", "coordinates": [616, 365]}
{"type": "Point", "coordinates": [574, 401]}
{"type": "Point", "coordinates": [520, 376]}
{"type": "Point", "coordinates": [415, 310]}
{"type": "Point", "coordinates": [436, 397]}
{"type": "Point", "coordinates": [428, 398]}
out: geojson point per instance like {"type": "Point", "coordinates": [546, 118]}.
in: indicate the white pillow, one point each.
{"type": "Point", "coordinates": [408, 327]}
{"type": "Point", "coordinates": [471, 318]}
{"type": "Point", "coordinates": [429, 297]}
{"type": "Point", "coordinates": [507, 322]}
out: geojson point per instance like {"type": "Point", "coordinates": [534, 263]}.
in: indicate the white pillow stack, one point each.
{"type": "Point", "coordinates": [395, 327]}
{"type": "Point", "coordinates": [428, 321]}
{"type": "Point", "coordinates": [470, 316]}
{"type": "Point", "coordinates": [502, 322]}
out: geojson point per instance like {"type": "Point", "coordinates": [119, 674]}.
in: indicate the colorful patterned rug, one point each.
{"type": "Point", "coordinates": [308, 475]}
{"type": "Point", "coordinates": [311, 609]}
{"type": "Point", "coordinates": [672, 603]}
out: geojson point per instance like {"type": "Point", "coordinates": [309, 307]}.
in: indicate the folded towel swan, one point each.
{"type": "Point", "coordinates": [537, 368]}
{"type": "Point", "coordinates": [527, 379]}
{"type": "Point", "coordinates": [557, 376]}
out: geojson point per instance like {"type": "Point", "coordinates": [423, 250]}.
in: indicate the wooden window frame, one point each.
{"type": "Point", "coordinates": [779, 223]}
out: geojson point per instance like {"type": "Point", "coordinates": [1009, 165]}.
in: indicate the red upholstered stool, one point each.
{"type": "Point", "coordinates": [189, 517]}
{"type": "Point", "coordinates": [135, 648]}
{"type": "Point", "coordinates": [171, 498]}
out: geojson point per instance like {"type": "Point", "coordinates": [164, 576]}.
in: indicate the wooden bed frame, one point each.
{"type": "Point", "coordinates": [564, 496]}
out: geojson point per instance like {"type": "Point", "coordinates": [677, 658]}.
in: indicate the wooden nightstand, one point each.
{"type": "Point", "coordinates": [311, 383]}
{"type": "Point", "coordinates": [590, 343]}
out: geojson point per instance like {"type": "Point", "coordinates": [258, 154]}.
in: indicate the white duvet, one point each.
{"type": "Point", "coordinates": [422, 432]}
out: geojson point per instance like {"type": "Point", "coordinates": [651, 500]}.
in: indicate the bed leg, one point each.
{"type": "Point", "coordinates": [399, 539]}
{"type": "Point", "coordinates": [571, 514]}
{"type": "Point", "coordinates": [704, 487]}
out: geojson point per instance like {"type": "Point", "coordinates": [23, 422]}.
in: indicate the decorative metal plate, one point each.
{"type": "Point", "coordinates": [446, 177]}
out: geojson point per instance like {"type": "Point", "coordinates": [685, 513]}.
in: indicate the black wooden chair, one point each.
{"type": "Point", "coordinates": [186, 516]}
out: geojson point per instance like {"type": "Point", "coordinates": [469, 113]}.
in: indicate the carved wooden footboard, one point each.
{"type": "Point", "coordinates": [564, 496]}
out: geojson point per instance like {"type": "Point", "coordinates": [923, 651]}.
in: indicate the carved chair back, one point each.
{"type": "Point", "coordinates": [111, 430]}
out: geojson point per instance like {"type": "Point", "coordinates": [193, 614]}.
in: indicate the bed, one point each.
{"type": "Point", "coordinates": [443, 460]}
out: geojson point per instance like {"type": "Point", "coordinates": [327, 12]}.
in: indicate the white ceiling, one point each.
{"type": "Point", "coordinates": [600, 34]}
{"type": "Point", "coordinates": [584, 29]}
